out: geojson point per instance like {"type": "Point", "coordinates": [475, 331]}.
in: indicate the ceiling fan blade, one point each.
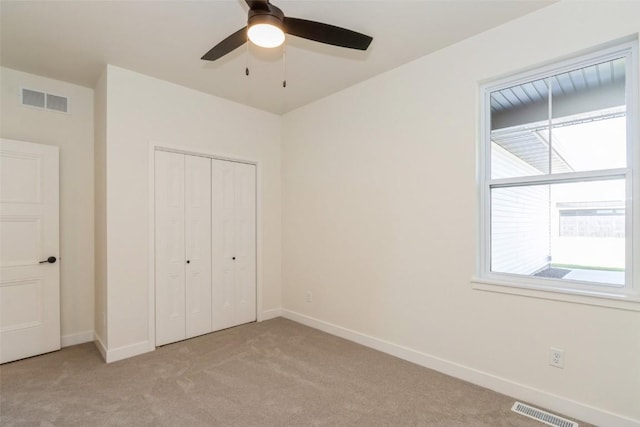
{"type": "Point", "coordinates": [325, 33]}
{"type": "Point", "coordinates": [227, 45]}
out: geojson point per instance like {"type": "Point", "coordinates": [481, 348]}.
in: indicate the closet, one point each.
{"type": "Point", "coordinates": [205, 245]}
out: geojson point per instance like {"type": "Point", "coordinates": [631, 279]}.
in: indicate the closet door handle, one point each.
{"type": "Point", "coordinates": [188, 262]}
{"type": "Point", "coordinates": [233, 258]}
{"type": "Point", "coordinates": [49, 260]}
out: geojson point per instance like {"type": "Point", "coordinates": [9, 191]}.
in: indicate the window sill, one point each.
{"type": "Point", "coordinates": [620, 302]}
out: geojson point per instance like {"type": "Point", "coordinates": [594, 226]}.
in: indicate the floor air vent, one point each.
{"type": "Point", "coordinates": [542, 416]}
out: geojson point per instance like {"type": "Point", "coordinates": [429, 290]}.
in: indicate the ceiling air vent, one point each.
{"type": "Point", "coordinates": [542, 416]}
{"type": "Point", "coordinates": [34, 98]}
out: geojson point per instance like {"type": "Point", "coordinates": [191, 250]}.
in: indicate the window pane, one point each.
{"type": "Point", "coordinates": [519, 130]}
{"type": "Point", "coordinates": [573, 231]}
{"type": "Point", "coordinates": [520, 225]}
{"type": "Point", "coordinates": [589, 118]}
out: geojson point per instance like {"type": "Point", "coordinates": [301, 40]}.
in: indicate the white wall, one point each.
{"type": "Point", "coordinates": [379, 223]}
{"type": "Point", "coordinates": [141, 110]}
{"type": "Point", "coordinates": [73, 134]}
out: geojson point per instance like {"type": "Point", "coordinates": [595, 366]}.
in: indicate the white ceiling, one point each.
{"type": "Point", "coordinates": [73, 40]}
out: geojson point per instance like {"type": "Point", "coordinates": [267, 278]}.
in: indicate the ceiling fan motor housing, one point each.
{"type": "Point", "coordinates": [271, 17]}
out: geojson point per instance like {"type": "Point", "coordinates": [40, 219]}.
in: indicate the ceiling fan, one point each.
{"type": "Point", "coordinates": [267, 25]}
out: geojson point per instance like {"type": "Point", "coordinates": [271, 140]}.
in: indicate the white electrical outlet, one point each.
{"type": "Point", "coordinates": [556, 357]}
{"type": "Point", "coordinates": [308, 297]}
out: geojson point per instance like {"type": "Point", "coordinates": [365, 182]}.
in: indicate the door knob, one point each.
{"type": "Point", "coordinates": [188, 262]}
{"type": "Point", "coordinates": [50, 260]}
{"type": "Point", "coordinates": [233, 258]}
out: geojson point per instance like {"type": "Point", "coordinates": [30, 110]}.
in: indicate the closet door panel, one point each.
{"type": "Point", "coordinates": [169, 234]}
{"type": "Point", "coordinates": [198, 245]}
{"type": "Point", "coordinates": [223, 244]}
{"type": "Point", "coordinates": [245, 223]}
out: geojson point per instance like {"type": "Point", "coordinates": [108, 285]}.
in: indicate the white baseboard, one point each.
{"type": "Point", "coordinates": [547, 400]}
{"type": "Point", "coordinates": [77, 338]}
{"type": "Point", "coordinates": [123, 352]}
{"type": "Point", "coordinates": [126, 351]}
{"type": "Point", "coordinates": [270, 314]}
{"type": "Point", "coordinates": [100, 346]}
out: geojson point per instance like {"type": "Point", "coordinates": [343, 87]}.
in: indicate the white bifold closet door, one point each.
{"type": "Point", "coordinates": [234, 243]}
{"type": "Point", "coordinates": [183, 246]}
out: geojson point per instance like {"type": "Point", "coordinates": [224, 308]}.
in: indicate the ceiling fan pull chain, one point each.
{"type": "Point", "coordinates": [246, 68]}
{"type": "Point", "coordinates": [284, 65]}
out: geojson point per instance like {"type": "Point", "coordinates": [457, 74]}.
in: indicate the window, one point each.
{"type": "Point", "coordinates": [557, 154]}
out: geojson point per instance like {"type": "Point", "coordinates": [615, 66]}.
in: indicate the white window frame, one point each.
{"type": "Point", "coordinates": [511, 283]}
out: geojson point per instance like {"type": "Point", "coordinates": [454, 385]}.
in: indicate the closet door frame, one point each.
{"type": "Point", "coordinates": [155, 146]}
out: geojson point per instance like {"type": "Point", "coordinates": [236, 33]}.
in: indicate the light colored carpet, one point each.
{"type": "Point", "coordinates": [274, 373]}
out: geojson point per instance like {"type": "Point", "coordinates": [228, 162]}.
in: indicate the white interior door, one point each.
{"type": "Point", "coordinates": [170, 247]}
{"type": "Point", "coordinates": [29, 222]}
{"type": "Point", "coordinates": [233, 243]}
{"type": "Point", "coordinates": [198, 245]}
{"type": "Point", "coordinates": [245, 254]}
{"type": "Point", "coordinates": [223, 243]}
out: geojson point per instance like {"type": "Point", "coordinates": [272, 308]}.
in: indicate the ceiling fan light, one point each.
{"type": "Point", "coordinates": [266, 35]}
